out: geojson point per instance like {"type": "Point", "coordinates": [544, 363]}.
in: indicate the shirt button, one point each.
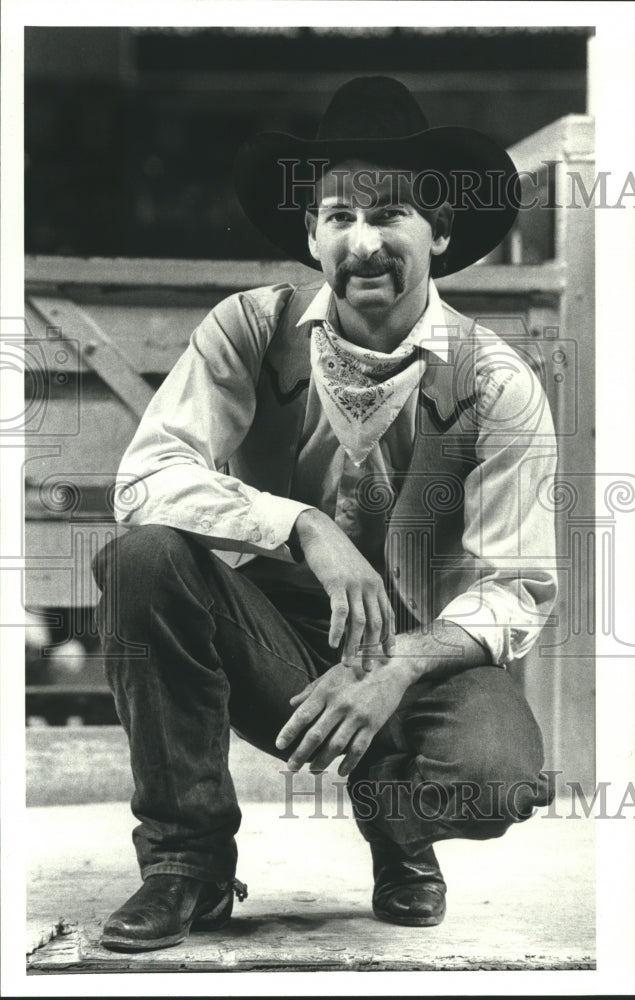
{"type": "Point", "coordinates": [206, 525]}
{"type": "Point", "coordinates": [396, 572]}
{"type": "Point", "coordinates": [412, 603]}
{"type": "Point", "coordinates": [255, 535]}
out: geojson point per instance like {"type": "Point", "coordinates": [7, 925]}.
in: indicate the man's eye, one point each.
{"type": "Point", "coordinates": [392, 213]}
{"type": "Point", "coordinates": [340, 217]}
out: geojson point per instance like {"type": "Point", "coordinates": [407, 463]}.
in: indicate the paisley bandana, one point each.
{"type": "Point", "coordinates": [362, 391]}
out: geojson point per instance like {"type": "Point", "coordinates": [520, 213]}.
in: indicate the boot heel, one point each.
{"type": "Point", "coordinates": [219, 915]}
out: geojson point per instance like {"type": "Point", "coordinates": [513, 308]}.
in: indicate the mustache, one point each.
{"type": "Point", "coordinates": [380, 263]}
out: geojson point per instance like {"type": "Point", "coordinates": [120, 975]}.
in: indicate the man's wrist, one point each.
{"type": "Point", "coordinates": [303, 527]}
{"type": "Point", "coordinates": [294, 546]}
{"type": "Point", "coordinates": [403, 667]}
{"type": "Point", "coordinates": [442, 651]}
{"type": "Point", "coordinates": [412, 668]}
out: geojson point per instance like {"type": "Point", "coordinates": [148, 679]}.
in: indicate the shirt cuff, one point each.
{"type": "Point", "coordinates": [271, 520]}
{"type": "Point", "coordinates": [475, 616]}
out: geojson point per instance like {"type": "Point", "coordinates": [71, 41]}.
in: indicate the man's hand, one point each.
{"type": "Point", "coordinates": [340, 713]}
{"type": "Point", "coordinates": [360, 608]}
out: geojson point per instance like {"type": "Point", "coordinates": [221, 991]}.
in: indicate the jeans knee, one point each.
{"type": "Point", "coordinates": [141, 576]}
{"type": "Point", "coordinates": [498, 790]}
{"type": "Point", "coordinates": [130, 559]}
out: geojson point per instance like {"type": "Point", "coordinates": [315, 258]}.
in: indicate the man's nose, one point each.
{"type": "Point", "coordinates": [365, 239]}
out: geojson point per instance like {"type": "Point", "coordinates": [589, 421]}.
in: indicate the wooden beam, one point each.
{"type": "Point", "coordinates": [139, 272]}
{"type": "Point", "coordinates": [568, 138]}
{"type": "Point", "coordinates": [506, 279]}
{"type": "Point", "coordinates": [313, 88]}
{"type": "Point", "coordinates": [98, 350]}
{"type": "Point", "coordinates": [233, 275]}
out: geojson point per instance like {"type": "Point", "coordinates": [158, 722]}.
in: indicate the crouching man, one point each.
{"type": "Point", "coordinates": [336, 544]}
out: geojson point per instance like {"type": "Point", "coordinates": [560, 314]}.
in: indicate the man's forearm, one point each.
{"type": "Point", "coordinates": [442, 651]}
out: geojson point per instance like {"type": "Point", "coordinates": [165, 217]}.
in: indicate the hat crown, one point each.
{"type": "Point", "coordinates": [372, 107]}
{"type": "Point", "coordinates": [375, 119]}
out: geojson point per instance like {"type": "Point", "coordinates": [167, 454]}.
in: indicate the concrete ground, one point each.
{"type": "Point", "coordinates": [523, 902]}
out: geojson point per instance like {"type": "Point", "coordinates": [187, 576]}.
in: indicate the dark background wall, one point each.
{"type": "Point", "coordinates": [131, 133]}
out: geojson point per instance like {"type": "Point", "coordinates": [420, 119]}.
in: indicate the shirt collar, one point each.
{"type": "Point", "coordinates": [430, 331]}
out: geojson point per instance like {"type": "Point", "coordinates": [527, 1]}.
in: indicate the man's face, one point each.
{"type": "Point", "coordinates": [373, 244]}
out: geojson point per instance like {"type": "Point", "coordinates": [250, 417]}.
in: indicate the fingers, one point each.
{"type": "Point", "coordinates": [324, 733]}
{"type": "Point", "coordinates": [302, 718]}
{"type": "Point", "coordinates": [372, 648]}
{"type": "Point", "coordinates": [301, 696]}
{"type": "Point", "coordinates": [333, 715]}
{"type": "Point", "coordinates": [332, 747]}
{"type": "Point", "coordinates": [308, 747]}
{"type": "Point", "coordinates": [327, 739]}
{"type": "Point", "coordinates": [376, 644]}
{"type": "Point", "coordinates": [354, 753]}
{"type": "Point", "coordinates": [389, 624]}
{"type": "Point", "coordinates": [355, 629]}
{"type": "Point", "coordinates": [321, 751]}
{"type": "Point", "coordinates": [339, 617]}
{"type": "Point", "coordinates": [358, 667]}
{"type": "Point", "coordinates": [365, 616]}
{"type": "Point", "coordinates": [386, 638]}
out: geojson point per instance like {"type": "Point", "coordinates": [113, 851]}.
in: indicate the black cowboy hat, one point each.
{"type": "Point", "coordinates": [377, 119]}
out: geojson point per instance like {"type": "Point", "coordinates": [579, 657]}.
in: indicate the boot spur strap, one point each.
{"type": "Point", "coordinates": [240, 889]}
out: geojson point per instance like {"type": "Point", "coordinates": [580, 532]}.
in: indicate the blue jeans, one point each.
{"type": "Point", "coordinates": [193, 647]}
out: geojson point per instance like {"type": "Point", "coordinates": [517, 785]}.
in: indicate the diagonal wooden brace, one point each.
{"type": "Point", "coordinates": [98, 351]}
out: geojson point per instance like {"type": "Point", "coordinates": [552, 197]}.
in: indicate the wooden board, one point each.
{"type": "Point", "coordinates": [510, 902]}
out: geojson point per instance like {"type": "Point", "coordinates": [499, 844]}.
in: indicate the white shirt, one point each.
{"type": "Point", "coordinates": [169, 474]}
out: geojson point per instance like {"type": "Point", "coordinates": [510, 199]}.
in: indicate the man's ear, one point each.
{"type": "Point", "coordinates": [442, 229]}
{"type": "Point", "coordinates": [310, 221]}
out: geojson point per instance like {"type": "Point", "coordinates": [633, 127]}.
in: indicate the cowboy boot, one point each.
{"type": "Point", "coordinates": [164, 910]}
{"type": "Point", "coordinates": [408, 891]}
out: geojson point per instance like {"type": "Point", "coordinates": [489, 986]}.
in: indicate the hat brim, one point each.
{"type": "Point", "coordinates": [484, 211]}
